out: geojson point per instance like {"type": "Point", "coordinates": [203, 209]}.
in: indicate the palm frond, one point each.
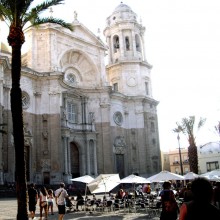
{"type": "Point", "coordinates": [39, 21]}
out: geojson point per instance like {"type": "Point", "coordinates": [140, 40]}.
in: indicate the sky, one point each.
{"type": "Point", "coordinates": [182, 40]}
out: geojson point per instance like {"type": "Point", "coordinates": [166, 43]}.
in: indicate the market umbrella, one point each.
{"type": "Point", "coordinates": [213, 173]}
{"type": "Point", "coordinates": [134, 179]}
{"type": "Point", "coordinates": [211, 177]}
{"type": "Point", "coordinates": [164, 176]}
{"type": "Point", "coordinates": [83, 179]}
{"type": "Point", "coordinates": [104, 183]}
{"type": "Point", "coordinates": [190, 176]}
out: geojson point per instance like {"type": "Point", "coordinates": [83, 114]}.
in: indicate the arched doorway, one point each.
{"type": "Point", "coordinates": [74, 155]}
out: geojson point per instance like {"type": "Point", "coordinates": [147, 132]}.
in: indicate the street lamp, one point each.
{"type": "Point", "coordinates": [181, 165]}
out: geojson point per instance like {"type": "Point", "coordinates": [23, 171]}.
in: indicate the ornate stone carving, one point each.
{"type": "Point", "coordinates": [119, 145]}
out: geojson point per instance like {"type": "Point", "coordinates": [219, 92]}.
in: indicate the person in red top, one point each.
{"type": "Point", "coordinates": [200, 207]}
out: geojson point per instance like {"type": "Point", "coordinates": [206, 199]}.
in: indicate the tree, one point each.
{"type": "Point", "coordinates": [188, 127]}
{"type": "Point", "coordinates": [217, 128]}
{"type": "Point", "coordinates": [2, 131]}
{"type": "Point", "coordinates": [17, 14]}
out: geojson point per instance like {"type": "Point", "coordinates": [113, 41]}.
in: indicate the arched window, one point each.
{"type": "Point", "coordinates": [127, 43]}
{"type": "Point", "coordinates": [116, 43]}
{"type": "Point", "coordinates": [138, 43]}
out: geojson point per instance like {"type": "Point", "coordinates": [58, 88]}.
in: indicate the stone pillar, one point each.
{"type": "Point", "coordinates": [88, 157]}
{"type": "Point", "coordinates": [95, 159]}
{"type": "Point", "coordinates": [69, 157]}
{"type": "Point", "coordinates": [143, 47]}
{"type": "Point", "coordinates": [65, 156]}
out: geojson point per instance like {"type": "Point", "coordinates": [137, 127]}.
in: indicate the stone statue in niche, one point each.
{"type": "Point", "coordinates": [45, 134]}
{"type": "Point", "coordinates": [92, 117]}
{"type": "Point", "coordinates": [119, 145]}
{"type": "Point", "coordinates": [44, 116]}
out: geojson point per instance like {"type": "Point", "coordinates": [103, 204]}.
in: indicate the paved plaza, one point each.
{"type": "Point", "coordinates": [8, 211]}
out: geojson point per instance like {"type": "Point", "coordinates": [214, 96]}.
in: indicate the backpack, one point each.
{"type": "Point", "coordinates": [170, 206]}
{"type": "Point", "coordinates": [169, 202]}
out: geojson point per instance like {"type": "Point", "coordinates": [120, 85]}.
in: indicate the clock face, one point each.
{"type": "Point", "coordinates": [25, 100]}
{"type": "Point", "coordinates": [118, 118]}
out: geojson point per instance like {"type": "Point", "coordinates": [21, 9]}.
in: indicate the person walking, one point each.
{"type": "Point", "coordinates": [169, 204]}
{"type": "Point", "coordinates": [200, 207]}
{"type": "Point", "coordinates": [43, 202]}
{"type": "Point", "coordinates": [33, 197]}
{"type": "Point", "coordinates": [50, 201]}
{"type": "Point", "coordinates": [60, 195]}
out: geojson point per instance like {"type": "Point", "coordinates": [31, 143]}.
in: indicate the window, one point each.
{"type": "Point", "coordinates": [146, 88]}
{"type": "Point", "coordinates": [152, 127]}
{"type": "Point", "coordinates": [186, 169]}
{"type": "Point", "coordinates": [71, 78]}
{"type": "Point", "coordinates": [177, 170]}
{"type": "Point", "coordinates": [116, 43]}
{"type": "Point", "coordinates": [137, 41]}
{"type": "Point", "coordinates": [72, 112]}
{"type": "Point", "coordinates": [127, 43]}
{"type": "Point", "coordinates": [212, 166]}
{"type": "Point", "coordinates": [115, 87]}
{"type": "Point", "coordinates": [25, 100]}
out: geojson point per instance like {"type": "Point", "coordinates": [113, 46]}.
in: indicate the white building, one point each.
{"type": "Point", "coordinates": [209, 157]}
{"type": "Point", "coordinates": [81, 116]}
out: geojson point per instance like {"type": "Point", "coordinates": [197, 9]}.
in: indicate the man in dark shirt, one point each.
{"type": "Point", "coordinates": [33, 196]}
{"type": "Point", "coordinates": [200, 207]}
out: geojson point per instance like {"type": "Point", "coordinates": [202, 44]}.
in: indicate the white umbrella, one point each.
{"type": "Point", "coordinates": [104, 183]}
{"type": "Point", "coordinates": [134, 179]}
{"type": "Point", "coordinates": [164, 176]}
{"type": "Point", "coordinates": [213, 172]}
{"type": "Point", "coordinates": [212, 177]}
{"type": "Point", "coordinates": [83, 179]}
{"type": "Point", "coordinates": [190, 176]}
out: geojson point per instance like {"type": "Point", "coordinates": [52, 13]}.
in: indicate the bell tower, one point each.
{"type": "Point", "coordinates": [128, 70]}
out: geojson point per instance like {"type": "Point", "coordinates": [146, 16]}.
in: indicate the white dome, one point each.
{"type": "Point", "coordinates": [212, 147]}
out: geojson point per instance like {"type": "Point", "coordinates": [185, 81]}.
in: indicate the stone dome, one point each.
{"type": "Point", "coordinates": [122, 13]}
{"type": "Point", "coordinates": [122, 8]}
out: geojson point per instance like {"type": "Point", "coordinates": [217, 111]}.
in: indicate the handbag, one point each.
{"type": "Point", "coordinates": [44, 203]}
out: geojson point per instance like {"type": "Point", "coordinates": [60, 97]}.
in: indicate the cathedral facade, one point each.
{"type": "Point", "coordinates": [81, 115]}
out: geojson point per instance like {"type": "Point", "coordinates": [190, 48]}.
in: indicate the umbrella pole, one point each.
{"type": "Point", "coordinates": [85, 199]}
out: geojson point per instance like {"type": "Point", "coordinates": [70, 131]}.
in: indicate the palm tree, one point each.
{"type": "Point", "coordinates": [217, 128]}
{"type": "Point", "coordinates": [17, 14]}
{"type": "Point", "coordinates": [2, 131]}
{"type": "Point", "coordinates": [187, 127]}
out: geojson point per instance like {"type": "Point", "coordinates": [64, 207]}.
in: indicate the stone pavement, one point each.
{"type": "Point", "coordinates": [8, 211]}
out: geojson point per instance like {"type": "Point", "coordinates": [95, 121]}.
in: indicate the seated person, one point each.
{"type": "Point", "coordinates": [80, 200]}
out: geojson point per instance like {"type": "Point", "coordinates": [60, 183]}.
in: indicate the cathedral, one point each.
{"type": "Point", "coordinates": [87, 105]}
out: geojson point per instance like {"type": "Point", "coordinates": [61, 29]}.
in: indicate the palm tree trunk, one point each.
{"type": "Point", "coordinates": [18, 133]}
{"type": "Point", "coordinates": [193, 158]}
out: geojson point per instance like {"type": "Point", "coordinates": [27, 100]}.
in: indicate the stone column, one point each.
{"type": "Point", "coordinates": [88, 157]}
{"type": "Point", "coordinates": [95, 159]}
{"type": "Point", "coordinates": [143, 46]}
{"type": "Point", "coordinates": [65, 156]}
{"type": "Point", "coordinates": [69, 157]}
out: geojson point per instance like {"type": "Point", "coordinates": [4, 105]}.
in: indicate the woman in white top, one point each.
{"type": "Point", "coordinates": [43, 202]}
{"type": "Point", "coordinates": [50, 201]}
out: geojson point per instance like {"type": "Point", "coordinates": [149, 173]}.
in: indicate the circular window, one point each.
{"type": "Point", "coordinates": [71, 78]}
{"type": "Point", "coordinates": [25, 100]}
{"type": "Point", "coordinates": [118, 118]}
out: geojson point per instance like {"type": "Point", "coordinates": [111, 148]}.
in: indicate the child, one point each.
{"type": "Point", "coordinates": [50, 201]}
